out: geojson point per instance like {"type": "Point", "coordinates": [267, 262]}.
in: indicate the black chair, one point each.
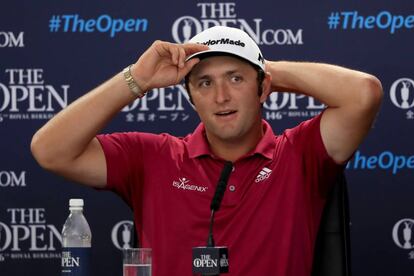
{"type": "Point", "coordinates": [332, 250]}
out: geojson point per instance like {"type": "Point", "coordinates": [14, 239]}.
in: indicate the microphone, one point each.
{"type": "Point", "coordinates": [213, 260]}
{"type": "Point", "coordinates": [221, 186]}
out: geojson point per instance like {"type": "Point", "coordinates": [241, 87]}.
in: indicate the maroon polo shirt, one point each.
{"type": "Point", "coordinates": [270, 212]}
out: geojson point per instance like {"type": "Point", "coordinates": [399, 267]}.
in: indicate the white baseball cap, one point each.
{"type": "Point", "coordinates": [233, 41]}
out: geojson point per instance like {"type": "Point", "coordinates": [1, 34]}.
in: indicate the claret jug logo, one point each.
{"type": "Point", "coordinates": [122, 234]}
{"type": "Point", "coordinates": [224, 14]}
{"type": "Point", "coordinates": [402, 95]}
{"type": "Point", "coordinates": [24, 95]}
{"type": "Point", "coordinates": [402, 234]}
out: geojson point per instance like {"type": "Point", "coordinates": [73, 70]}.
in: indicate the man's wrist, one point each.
{"type": "Point", "coordinates": [132, 84]}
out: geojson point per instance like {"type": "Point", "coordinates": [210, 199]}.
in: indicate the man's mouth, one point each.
{"type": "Point", "coordinates": [225, 113]}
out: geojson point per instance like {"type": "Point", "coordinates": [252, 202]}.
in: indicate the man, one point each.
{"type": "Point", "coordinates": [271, 211]}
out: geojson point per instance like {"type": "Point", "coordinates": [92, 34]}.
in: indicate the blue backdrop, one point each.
{"type": "Point", "coordinates": [52, 52]}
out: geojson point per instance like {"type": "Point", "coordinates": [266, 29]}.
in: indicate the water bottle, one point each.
{"type": "Point", "coordinates": [76, 242]}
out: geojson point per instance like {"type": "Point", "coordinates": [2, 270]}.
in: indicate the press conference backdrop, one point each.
{"type": "Point", "coordinates": [52, 52]}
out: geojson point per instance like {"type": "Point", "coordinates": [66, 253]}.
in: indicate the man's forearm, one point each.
{"type": "Point", "coordinates": [68, 134]}
{"type": "Point", "coordinates": [333, 85]}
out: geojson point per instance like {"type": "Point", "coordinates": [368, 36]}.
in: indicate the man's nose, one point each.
{"type": "Point", "coordinates": [222, 93]}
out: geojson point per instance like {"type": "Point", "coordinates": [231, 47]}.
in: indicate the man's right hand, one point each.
{"type": "Point", "coordinates": [163, 64]}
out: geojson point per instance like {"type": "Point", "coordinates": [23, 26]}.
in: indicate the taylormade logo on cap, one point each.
{"type": "Point", "coordinates": [222, 39]}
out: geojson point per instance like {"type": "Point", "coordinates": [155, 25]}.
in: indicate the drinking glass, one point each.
{"type": "Point", "coordinates": [137, 261]}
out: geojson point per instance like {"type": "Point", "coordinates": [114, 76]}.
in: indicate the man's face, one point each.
{"type": "Point", "coordinates": [225, 94]}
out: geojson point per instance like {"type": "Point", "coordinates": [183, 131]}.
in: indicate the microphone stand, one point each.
{"type": "Point", "coordinates": [216, 201]}
{"type": "Point", "coordinates": [210, 240]}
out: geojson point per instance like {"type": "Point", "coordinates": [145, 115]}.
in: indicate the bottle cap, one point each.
{"type": "Point", "coordinates": [76, 202]}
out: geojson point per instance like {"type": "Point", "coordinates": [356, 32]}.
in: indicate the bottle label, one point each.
{"type": "Point", "coordinates": [76, 261]}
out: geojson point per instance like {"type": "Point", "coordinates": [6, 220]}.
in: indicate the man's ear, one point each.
{"type": "Point", "coordinates": [266, 84]}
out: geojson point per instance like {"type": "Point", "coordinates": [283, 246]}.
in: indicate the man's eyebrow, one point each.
{"type": "Point", "coordinates": [205, 76]}
{"type": "Point", "coordinates": [199, 77]}
{"type": "Point", "coordinates": [231, 72]}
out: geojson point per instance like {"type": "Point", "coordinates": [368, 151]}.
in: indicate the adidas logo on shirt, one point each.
{"type": "Point", "coordinates": [263, 174]}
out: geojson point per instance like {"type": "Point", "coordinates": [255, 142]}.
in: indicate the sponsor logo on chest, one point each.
{"type": "Point", "coordinates": [263, 174]}
{"type": "Point", "coordinates": [183, 183]}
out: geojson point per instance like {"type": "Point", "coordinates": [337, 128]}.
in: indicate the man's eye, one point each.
{"type": "Point", "coordinates": [236, 78]}
{"type": "Point", "coordinates": [204, 83]}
